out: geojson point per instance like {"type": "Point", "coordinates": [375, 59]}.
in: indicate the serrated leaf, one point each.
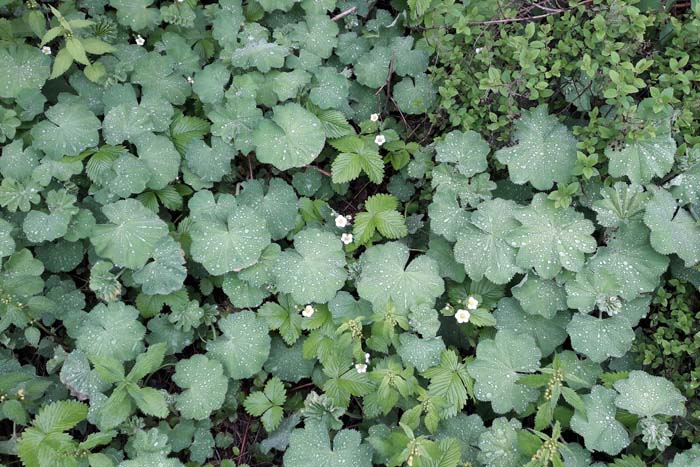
{"type": "Point", "coordinates": [646, 395]}
{"type": "Point", "coordinates": [466, 150]}
{"type": "Point", "coordinates": [244, 345]}
{"type": "Point", "coordinates": [600, 430]}
{"type": "Point", "coordinates": [204, 386]}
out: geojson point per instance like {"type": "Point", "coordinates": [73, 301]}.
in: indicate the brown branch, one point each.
{"type": "Point", "coordinates": [245, 435]}
{"type": "Point", "coordinates": [320, 170]}
{"type": "Point", "coordinates": [526, 18]}
{"type": "Point", "coordinates": [345, 13]}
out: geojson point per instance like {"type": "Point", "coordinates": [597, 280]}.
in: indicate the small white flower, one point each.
{"type": "Point", "coordinates": [366, 358]}
{"type": "Point", "coordinates": [308, 311]}
{"type": "Point", "coordinates": [341, 222]}
{"type": "Point", "coordinates": [348, 217]}
{"type": "Point", "coordinates": [46, 50]}
{"type": "Point", "coordinates": [361, 367]}
{"type": "Point", "coordinates": [379, 140]}
{"type": "Point", "coordinates": [472, 303]}
{"type": "Point", "coordinates": [346, 238]}
{"type": "Point", "coordinates": [180, 1]}
{"type": "Point", "coordinates": [478, 50]}
{"type": "Point", "coordinates": [140, 40]}
{"type": "Point", "coordinates": [374, 117]}
{"type": "Point", "coordinates": [462, 316]}
{"type": "Point", "coordinates": [190, 80]}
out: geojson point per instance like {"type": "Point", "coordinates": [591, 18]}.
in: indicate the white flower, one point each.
{"type": "Point", "coordinates": [478, 50]}
{"type": "Point", "coordinates": [462, 316]}
{"type": "Point", "coordinates": [379, 140]}
{"type": "Point", "coordinates": [190, 80]}
{"type": "Point", "coordinates": [341, 221]}
{"type": "Point", "coordinates": [348, 217]}
{"type": "Point", "coordinates": [46, 50]}
{"type": "Point", "coordinates": [361, 367]}
{"type": "Point", "coordinates": [472, 303]}
{"type": "Point", "coordinates": [140, 40]}
{"type": "Point", "coordinates": [346, 238]}
{"type": "Point", "coordinates": [374, 117]}
{"type": "Point", "coordinates": [366, 358]}
{"type": "Point", "coordinates": [308, 311]}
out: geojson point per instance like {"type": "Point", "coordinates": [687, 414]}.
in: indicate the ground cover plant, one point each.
{"type": "Point", "coordinates": [342, 233]}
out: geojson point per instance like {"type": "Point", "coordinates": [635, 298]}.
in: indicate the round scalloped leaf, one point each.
{"type": "Point", "coordinates": [111, 330]}
{"type": "Point", "coordinates": [646, 396]}
{"type": "Point", "coordinates": [7, 243]}
{"type": "Point", "coordinates": [68, 130]}
{"type": "Point", "coordinates": [551, 238]}
{"type": "Point", "coordinates": [673, 229]}
{"type": "Point", "coordinates": [420, 353]}
{"type": "Point", "coordinates": [210, 164]}
{"type": "Point", "coordinates": [481, 245]}
{"type": "Point", "coordinates": [415, 95]}
{"type": "Point", "coordinates": [539, 296]}
{"type": "Point", "coordinates": [387, 276]}
{"type": "Point", "coordinates": [446, 215]}
{"type": "Point", "coordinates": [131, 236]}
{"type": "Point", "coordinates": [688, 458]}
{"type": "Point", "coordinates": [549, 333]}
{"type": "Point", "coordinates": [167, 272]}
{"type": "Point", "coordinates": [621, 204]}
{"type": "Point", "coordinates": [210, 82]}
{"type": "Point", "coordinates": [204, 386]}
{"type": "Point", "coordinates": [498, 445]}
{"type": "Point", "coordinates": [294, 137]}
{"type": "Point", "coordinates": [314, 270]}
{"type": "Point", "coordinates": [466, 150]}
{"type": "Point", "coordinates": [499, 363]}
{"type": "Point", "coordinates": [232, 244]}
{"type": "Point", "coordinates": [545, 152]}
{"type": "Point", "coordinates": [600, 339]}
{"type": "Point", "coordinates": [244, 346]}
{"type": "Point", "coordinates": [288, 362]}
{"type": "Point", "coordinates": [279, 205]}
{"type": "Point", "coordinates": [311, 446]}
{"type": "Point", "coordinates": [598, 426]}
{"type": "Point", "coordinates": [161, 158]}
{"type": "Point", "coordinates": [23, 67]}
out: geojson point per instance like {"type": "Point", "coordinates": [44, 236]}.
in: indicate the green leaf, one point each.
{"type": "Point", "coordinates": [499, 444]}
{"type": "Point", "coordinates": [387, 276]}
{"type": "Point", "coordinates": [279, 205]}
{"type": "Point", "coordinates": [111, 330]}
{"type": "Point", "coordinates": [415, 96]}
{"type": "Point", "coordinates": [646, 395]}
{"type": "Point", "coordinates": [147, 362]}
{"type": "Point", "coordinates": [673, 229]}
{"type": "Point", "coordinates": [356, 155]}
{"type": "Point", "coordinates": [311, 446]}
{"type": "Point", "coordinates": [540, 297]}
{"type": "Point", "coordinates": [204, 386]}
{"type": "Point", "coordinates": [210, 82]}
{"type": "Point", "coordinates": [330, 89]}
{"type": "Point", "coordinates": [466, 150]}
{"type": "Point", "coordinates": [244, 345]}
{"type": "Point", "coordinates": [236, 120]}
{"type": "Point", "coordinates": [599, 428]}
{"type": "Point", "coordinates": [482, 245]}
{"type": "Point", "coordinates": [294, 137]}
{"type": "Point", "coordinates": [69, 129]}
{"type": "Point", "coordinates": [545, 152]}
{"type": "Point", "coordinates": [161, 158]}
{"type": "Point", "coordinates": [267, 403]}
{"type": "Point", "coordinates": [210, 164]}
{"type": "Point", "coordinates": [314, 270]}
{"type": "Point", "coordinates": [499, 363]}
{"type": "Point", "coordinates": [600, 339]}
{"type": "Point", "coordinates": [131, 236]}
{"type": "Point", "coordinates": [621, 204]}
{"type": "Point", "coordinates": [229, 243]}
{"type": "Point", "coordinates": [381, 215]}
{"type": "Point", "coordinates": [135, 13]}
{"type": "Point", "coordinates": [551, 238]}
{"type": "Point", "coordinates": [167, 272]}
{"type": "Point", "coordinates": [149, 400]}
{"type": "Point", "coordinates": [24, 67]}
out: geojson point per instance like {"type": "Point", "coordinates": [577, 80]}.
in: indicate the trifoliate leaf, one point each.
{"type": "Point", "coordinates": [204, 386]}
{"type": "Point", "coordinates": [381, 215]}
{"type": "Point", "coordinates": [244, 345]}
{"type": "Point", "coordinates": [482, 243]}
{"type": "Point", "coordinates": [284, 318]}
{"type": "Point", "coordinates": [312, 446]}
{"type": "Point", "coordinates": [549, 333]}
{"type": "Point", "coordinates": [314, 270]}
{"type": "Point", "coordinates": [499, 363]}
{"type": "Point", "coordinates": [356, 155]}
{"type": "Point", "coordinates": [387, 276]}
{"type": "Point", "coordinates": [68, 130]}
{"type": "Point", "coordinates": [267, 404]}
{"type": "Point", "coordinates": [545, 152]}
{"type": "Point", "coordinates": [131, 236]}
{"type": "Point", "coordinates": [294, 137]}
{"type": "Point", "coordinates": [673, 229]}
{"type": "Point", "coordinates": [111, 330]}
{"type": "Point", "coordinates": [621, 204]}
{"type": "Point", "coordinates": [551, 238]}
{"type": "Point", "coordinates": [24, 68]}
{"type": "Point", "coordinates": [466, 150]}
{"type": "Point", "coordinates": [167, 272]}
{"type": "Point", "coordinates": [600, 430]}
{"type": "Point", "coordinates": [646, 395]}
